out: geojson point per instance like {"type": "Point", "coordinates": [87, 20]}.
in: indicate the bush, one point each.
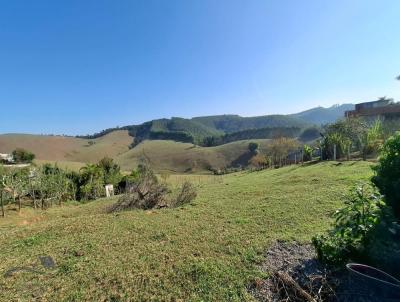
{"type": "Point", "coordinates": [387, 177]}
{"type": "Point", "coordinates": [307, 153]}
{"type": "Point", "coordinates": [186, 195]}
{"type": "Point", "coordinates": [253, 147]}
{"type": "Point", "coordinates": [147, 193]}
{"type": "Point", "coordinates": [23, 156]}
{"type": "Point", "coordinates": [353, 227]}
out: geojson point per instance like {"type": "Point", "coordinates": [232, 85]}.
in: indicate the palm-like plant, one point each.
{"type": "Point", "coordinates": [93, 181]}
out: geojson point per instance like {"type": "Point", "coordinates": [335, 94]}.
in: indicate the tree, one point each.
{"type": "Point", "coordinates": [387, 177]}
{"type": "Point", "coordinates": [111, 171]}
{"type": "Point", "coordinates": [23, 156]}
{"type": "Point", "coordinates": [259, 161]}
{"type": "Point", "coordinates": [307, 153]}
{"type": "Point", "coordinates": [279, 149]}
{"type": "Point", "coordinates": [310, 134]}
{"type": "Point", "coordinates": [253, 147]}
{"type": "Point", "coordinates": [372, 139]}
{"type": "Point", "coordinates": [92, 181]}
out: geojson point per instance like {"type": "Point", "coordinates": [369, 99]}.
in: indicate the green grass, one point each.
{"type": "Point", "coordinates": [207, 251]}
{"type": "Point", "coordinates": [176, 157]}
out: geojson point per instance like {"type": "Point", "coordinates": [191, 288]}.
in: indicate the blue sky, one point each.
{"type": "Point", "coordinates": [77, 67]}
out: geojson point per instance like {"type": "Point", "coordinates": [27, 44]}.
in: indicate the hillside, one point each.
{"type": "Point", "coordinates": [172, 144]}
{"type": "Point", "coordinates": [185, 157]}
{"type": "Point", "coordinates": [207, 251]}
{"type": "Point", "coordinates": [236, 123]}
{"type": "Point", "coordinates": [163, 155]}
{"type": "Point", "coordinates": [227, 128]}
{"type": "Point", "coordinates": [321, 115]}
{"type": "Point", "coordinates": [61, 148]}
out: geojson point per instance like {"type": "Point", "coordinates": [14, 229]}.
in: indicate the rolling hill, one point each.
{"type": "Point", "coordinates": [180, 157]}
{"type": "Point", "coordinates": [176, 144]}
{"type": "Point", "coordinates": [321, 115]}
{"type": "Point", "coordinates": [226, 128]}
{"type": "Point", "coordinates": [163, 155]}
{"type": "Point", "coordinates": [68, 149]}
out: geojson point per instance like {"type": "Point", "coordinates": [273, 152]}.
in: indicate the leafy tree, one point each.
{"type": "Point", "coordinates": [387, 177]}
{"type": "Point", "coordinates": [372, 139]}
{"type": "Point", "coordinates": [23, 156]}
{"type": "Point", "coordinates": [259, 161]}
{"type": "Point", "coordinates": [310, 134]}
{"type": "Point", "coordinates": [307, 153]}
{"type": "Point", "coordinates": [253, 147]}
{"type": "Point", "coordinates": [279, 149]}
{"type": "Point", "coordinates": [111, 171]}
{"type": "Point", "coordinates": [92, 182]}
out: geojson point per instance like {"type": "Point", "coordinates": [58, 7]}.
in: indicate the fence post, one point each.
{"type": "Point", "coordinates": [334, 152]}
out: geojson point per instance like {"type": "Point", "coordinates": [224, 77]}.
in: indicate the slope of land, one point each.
{"type": "Point", "coordinates": [68, 149]}
{"type": "Point", "coordinates": [321, 115]}
{"type": "Point", "coordinates": [185, 157]}
{"type": "Point", "coordinates": [197, 129]}
{"type": "Point", "coordinates": [207, 251]}
{"type": "Point", "coordinates": [163, 155]}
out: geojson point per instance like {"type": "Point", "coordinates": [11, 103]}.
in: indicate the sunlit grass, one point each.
{"type": "Point", "coordinates": [207, 251]}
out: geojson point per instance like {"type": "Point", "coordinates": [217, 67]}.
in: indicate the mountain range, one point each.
{"type": "Point", "coordinates": [220, 129]}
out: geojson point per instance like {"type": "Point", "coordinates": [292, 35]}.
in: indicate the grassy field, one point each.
{"type": "Point", "coordinates": [178, 157]}
{"type": "Point", "coordinates": [207, 251]}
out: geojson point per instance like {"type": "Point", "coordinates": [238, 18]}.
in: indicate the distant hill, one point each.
{"type": "Point", "coordinates": [321, 115]}
{"type": "Point", "coordinates": [176, 144]}
{"type": "Point", "coordinates": [220, 129]}
{"type": "Point", "coordinates": [236, 123]}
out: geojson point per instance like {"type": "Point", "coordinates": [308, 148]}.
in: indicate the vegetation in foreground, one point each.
{"type": "Point", "coordinates": [205, 251]}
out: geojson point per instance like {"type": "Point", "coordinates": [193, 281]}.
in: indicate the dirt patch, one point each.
{"type": "Point", "coordinates": [297, 275]}
{"type": "Point", "coordinates": [45, 262]}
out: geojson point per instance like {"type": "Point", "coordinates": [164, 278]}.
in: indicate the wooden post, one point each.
{"type": "Point", "coordinates": [1, 202]}
{"type": "Point", "coordinates": [295, 158]}
{"type": "Point", "coordinates": [33, 193]}
{"type": "Point", "coordinates": [348, 152]}
{"type": "Point", "coordinates": [19, 203]}
{"type": "Point", "coordinates": [334, 152]}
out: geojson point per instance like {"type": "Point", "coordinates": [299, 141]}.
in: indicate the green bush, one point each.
{"type": "Point", "coordinates": [387, 177]}
{"type": "Point", "coordinates": [307, 153]}
{"type": "Point", "coordinates": [253, 147]}
{"type": "Point", "coordinates": [353, 227]}
{"type": "Point", "coordinates": [23, 156]}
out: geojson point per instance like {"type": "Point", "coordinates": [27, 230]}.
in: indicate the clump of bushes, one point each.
{"type": "Point", "coordinates": [387, 177]}
{"type": "Point", "coordinates": [22, 156]}
{"type": "Point", "coordinates": [148, 193]}
{"type": "Point", "coordinates": [366, 221]}
{"type": "Point", "coordinates": [353, 226]}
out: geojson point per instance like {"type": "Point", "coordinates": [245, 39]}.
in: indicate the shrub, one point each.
{"type": "Point", "coordinates": [145, 193]}
{"type": "Point", "coordinates": [307, 153]}
{"type": "Point", "coordinates": [253, 147]}
{"type": "Point", "coordinates": [387, 177]}
{"type": "Point", "coordinates": [23, 156]}
{"type": "Point", "coordinates": [353, 227]}
{"type": "Point", "coordinates": [310, 134]}
{"type": "Point", "coordinates": [186, 195]}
